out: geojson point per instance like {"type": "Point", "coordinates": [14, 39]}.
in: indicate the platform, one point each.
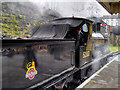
{"type": "Point", "coordinates": [106, 77]}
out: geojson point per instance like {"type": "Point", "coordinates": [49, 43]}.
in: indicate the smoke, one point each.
{"type": "Point", "coordinates": [68, 9]}
{"type": "Point", "coordinates": [97, 55]}
{"type": "Point", "coordinates": [48, 10]}
{"type": "Point", "coordinates": [100, 51]}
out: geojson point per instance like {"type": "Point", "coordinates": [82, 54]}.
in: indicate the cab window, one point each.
{"type": "Point", "coordinates": [85, 28]}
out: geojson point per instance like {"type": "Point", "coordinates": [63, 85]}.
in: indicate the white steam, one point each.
{"type": "Point", "coordinates": [77, 8]}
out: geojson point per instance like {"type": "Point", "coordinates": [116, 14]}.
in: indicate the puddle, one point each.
{"type": "Point", "coordinates": [103, 81]}
{"type": "Point", "coordinates": [97, 75]}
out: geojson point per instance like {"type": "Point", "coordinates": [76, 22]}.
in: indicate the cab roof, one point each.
{"type": "Point", "coordinates": [57, 28]}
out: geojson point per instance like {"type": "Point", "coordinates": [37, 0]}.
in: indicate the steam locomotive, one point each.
{"type": "Point", "coordinates": [59, 55]}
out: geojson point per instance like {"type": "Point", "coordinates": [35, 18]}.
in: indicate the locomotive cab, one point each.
{"type": "Point", "coordinates": [83, 47]}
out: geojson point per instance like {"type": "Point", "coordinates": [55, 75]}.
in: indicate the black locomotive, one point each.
{"type": "Point", "coordinates": [59, 55]}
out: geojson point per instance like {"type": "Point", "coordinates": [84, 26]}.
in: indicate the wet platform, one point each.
{"type": "Point", "coordinates": [106, 77]}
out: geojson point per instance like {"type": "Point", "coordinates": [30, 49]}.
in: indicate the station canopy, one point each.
{"type": "Point", "coordinates": [112, 6]}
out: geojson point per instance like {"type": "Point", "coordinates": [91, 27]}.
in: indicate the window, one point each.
{"type": "Point", "coordinates": [107, 21]}
{"type": "Point", "coordinates": [116, 21]}
{"type": "Point", "coordinates": [111, 23]}
{"type": "Point", "coordinates": [85, 28]}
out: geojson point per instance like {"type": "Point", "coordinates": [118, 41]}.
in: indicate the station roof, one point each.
{"type": "Point", "coordinates": [112, 6]}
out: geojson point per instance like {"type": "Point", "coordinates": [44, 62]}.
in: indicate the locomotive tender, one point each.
{"type": "Point", "coordinates": [57, 56]}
